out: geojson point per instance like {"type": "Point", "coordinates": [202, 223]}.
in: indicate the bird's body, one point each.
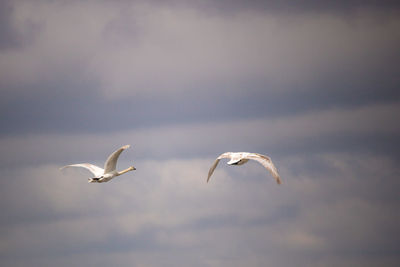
{"type": "Point", "coordinates": [240, 158]}
{"type": "Point", "coordinates": [109, 171]}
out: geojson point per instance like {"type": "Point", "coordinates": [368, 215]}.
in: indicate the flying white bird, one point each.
{"type": "Point", "coordinates": [240, 158]}
{"type": "Point", "coordinates": [109, 172]}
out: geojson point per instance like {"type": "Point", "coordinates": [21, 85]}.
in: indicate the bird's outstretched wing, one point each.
{"type": "Point", "coordinates": [223, 155]}
{"type": "Point", "coordinates": [267, 163]}
{"type": "Point", "coordinates": [97, 171]}
{"type": "Point", "coordinates": [111, 162]}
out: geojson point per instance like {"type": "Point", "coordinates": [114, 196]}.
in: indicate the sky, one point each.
{"type": "Point", "coordinates": [312, 84]}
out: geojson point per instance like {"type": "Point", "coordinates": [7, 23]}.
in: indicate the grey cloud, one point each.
{"type": "Point", "coordinates": [181, 82]}
{"type": "Point", "coordinates": [13, 36]}
{"type": "Point", "coordinates": [371, 129]}
{"type": "Point", "coordinates": [9, 36]}
{"type": "Point", "coordinates": [310, 5]}
{"type": "Point", "coordinates": [286, 7]}
{"type": "Point", "coordinates": [146, 65]}
{"type": "Point", "coordinates": [240, 218]}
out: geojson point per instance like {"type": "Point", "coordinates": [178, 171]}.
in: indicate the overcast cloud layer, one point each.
{"type": "Point", "coordinates": [314, 86]}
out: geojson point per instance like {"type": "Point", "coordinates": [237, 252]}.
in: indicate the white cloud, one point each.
{"type": "Point", "coordinates": [203, 139]}
{"type": "Point", "coordinates": [166, 207]}
{"type": "Point", "coordinates": [333, 208]}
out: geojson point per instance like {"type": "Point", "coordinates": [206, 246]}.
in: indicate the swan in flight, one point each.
{"type": "Point", "coordinates": [109, 172]}
{"type": "Point", "coordinates": [240, 158]}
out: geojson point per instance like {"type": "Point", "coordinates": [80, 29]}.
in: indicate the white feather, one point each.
{"type": "Point", "coordinates": [240, 158]}
{"type": "Point", "coordinates": [109, 172]}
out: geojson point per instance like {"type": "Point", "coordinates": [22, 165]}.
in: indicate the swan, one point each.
{"type": "Point", "coordinates": [240, 158]}
{"type": "Point", "coordinates": [109, 172]}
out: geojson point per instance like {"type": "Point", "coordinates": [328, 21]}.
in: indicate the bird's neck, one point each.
{"type": "Point", "coordinates": [126, 170]}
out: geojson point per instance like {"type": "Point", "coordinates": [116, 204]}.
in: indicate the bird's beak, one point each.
{"type": "Point", "coordinates": [133, 168]}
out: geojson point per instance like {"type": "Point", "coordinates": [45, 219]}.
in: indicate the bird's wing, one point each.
{"type": "Point", "coordinates": [97, 171]}
{"type": "Point", "coordinates": [223, 155]}
{"type": "Point", "coordinates": [111, 162]}
{"type": "Point", "coordinates": [210, 172]}
{"type": "Point", "coordinates": [267, 163]}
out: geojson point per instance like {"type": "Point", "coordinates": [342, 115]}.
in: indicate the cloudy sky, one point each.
{"type": "Point", "coordinates": [313, 85]}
